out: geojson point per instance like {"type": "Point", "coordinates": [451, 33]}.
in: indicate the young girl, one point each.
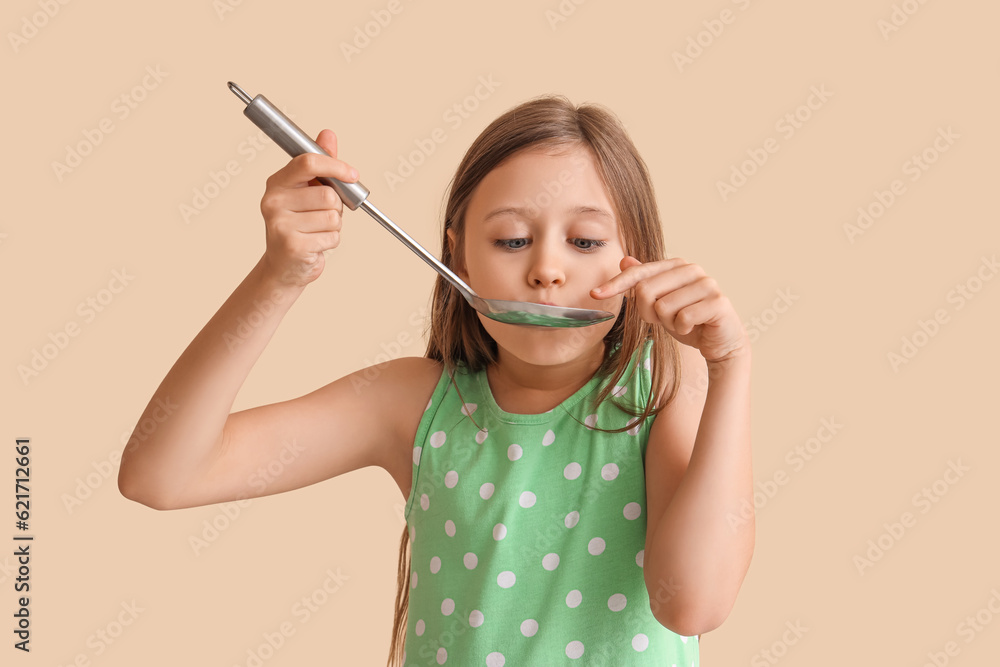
{"type": "Point", "coordinates": [573, 496]}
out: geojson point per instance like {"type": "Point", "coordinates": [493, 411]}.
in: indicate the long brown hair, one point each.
{"type": "Point", "coordinates": [457, 335]}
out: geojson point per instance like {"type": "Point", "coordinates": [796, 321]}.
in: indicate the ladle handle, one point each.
{"type": "Point", "coordinates": [294, 141]}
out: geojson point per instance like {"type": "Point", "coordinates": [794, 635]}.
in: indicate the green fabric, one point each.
{"type": "Point", "coordinates": [527, 533]}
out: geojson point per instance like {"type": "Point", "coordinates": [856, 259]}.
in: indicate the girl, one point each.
{"type": "Point", "coordinates": [573, 496]}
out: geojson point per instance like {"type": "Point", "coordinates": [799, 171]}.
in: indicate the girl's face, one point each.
{"type": "Point", "coordinates": [541, 228]}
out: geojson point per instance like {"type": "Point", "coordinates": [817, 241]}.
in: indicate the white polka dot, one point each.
{"type": "Point", "coordinates": [442, 656]}
{"type": "Point", "coordinates": [495, 659]}
{"type": "Point", "coordinates": [425, 501]}
{"type": "Point", "coordinates": [449, 528]}
{"type": "Point", "coordinates": [413, 579]}
{"type": "Point", "coordinates": [416, 455]}
{"type": "Point", "coordinates": [506, 579]}
{"type": "Point", "coordinates": [550, 561]}
{"type": "Point", "coordinates": [499, 531]}
{"type": "Point", "coordinates": [617, 602]}
{"type": "Point", "coordinates": [438, 438]}
{"type": "Point", "coordinates": [634, 423]}
{"type": "Point", "coordinates": [609, 472]}
{"type": "Point", "coordinates": [572, 519]}
{"type": "Point", "coordinates": [645, 363]}
{"type": "Point", "coordinates": [471, 560]}
{"type": "Point", "coordinates": [619, 390]}
{"type": "Point", "coordinates": [527, 499]}
{"type": "Point", "coordinates": [549, 438]}
{"type": "Point", "coordinates": [596, 546]}
{"type": "Point", "coordinates": [413, 534]}
{"type": "Point", "coordinates": [429, 401]}
{"type": "Point", "coordinates": [684, 639]}
{"type": "Point", "coordinates": [486, 490]}
{"type": "Point", "coordinates": [590, 421]}
{"type": "Point", "coordinates": [639, 556]}
{"type": "Point", "coordinates": [529, 627]}
{"type": "Point", "coordinates": [451, 479]}
{"type": "Point", "coordinates": [640, 642]}
{"type": "Point", "coordinates": [468, 408]}
{"type": "Point", "coordinates": [481, 435]}
{"type": "Point", "coordinates": [476, 618]}
{"type": "Point", "coordinates": [514, 452]}
{"type": "Point", "coordinates": [435, 565]}
{"type": "Point", "coordinates": [420, 627]}
{"type": "Point", "coordinates": [572, 471]}
{"type": "Point", "coordinates": [573, 599]}
{"type": "Point", "coordinates": [574, 650]}
{"type": "Point", "coordinates": [447, 606]}
{"type": "Point", "coordinates": [632, 511]}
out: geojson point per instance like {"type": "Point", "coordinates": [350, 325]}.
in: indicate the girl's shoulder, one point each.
{"type": "Point", "coordinates": [413, 381]}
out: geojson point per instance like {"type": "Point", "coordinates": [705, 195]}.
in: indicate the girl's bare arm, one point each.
{"type": "Point", "coordinates": [199, 453]}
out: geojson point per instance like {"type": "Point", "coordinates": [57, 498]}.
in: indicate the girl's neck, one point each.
{"type": "Point", "coordinates": [522, 388]}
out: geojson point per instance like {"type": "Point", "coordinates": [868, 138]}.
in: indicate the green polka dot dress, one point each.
{"type": "Point", "coordinates": [527, 533]}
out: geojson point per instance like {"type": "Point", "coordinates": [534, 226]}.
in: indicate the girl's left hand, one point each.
{"type": "Point", "coordinates": [678, 295]}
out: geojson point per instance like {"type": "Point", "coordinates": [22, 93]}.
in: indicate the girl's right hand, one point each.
{"type": "Point", "coordinates": [303, 216]}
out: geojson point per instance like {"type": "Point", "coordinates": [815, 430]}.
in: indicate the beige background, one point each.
{"type": "Point", "coordinates": [824, 357]}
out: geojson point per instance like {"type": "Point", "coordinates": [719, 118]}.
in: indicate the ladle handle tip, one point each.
{"type": "Point", "coordinates": [294, 141]}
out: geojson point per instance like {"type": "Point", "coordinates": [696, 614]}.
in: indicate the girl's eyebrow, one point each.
{"type": "Point", "coordinates": [579, 210]}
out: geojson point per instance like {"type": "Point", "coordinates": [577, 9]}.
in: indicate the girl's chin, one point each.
{"type": "Point", "coordinates": [546, 346]}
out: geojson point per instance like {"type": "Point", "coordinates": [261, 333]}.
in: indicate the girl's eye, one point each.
{"type": "Point", "coordinates": [516, 244]}
{"type": "Point", "coordinates": [593, 244]}
{"type": "Point", "coordinates": [510, 244]}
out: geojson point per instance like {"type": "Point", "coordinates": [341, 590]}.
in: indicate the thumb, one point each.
{"type": "Point", "coordinates": [328, 141]}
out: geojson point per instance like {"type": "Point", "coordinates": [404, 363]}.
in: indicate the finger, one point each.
{"type": "Point", "coordinates": [315, 198]}
{"type": "Point", "coordinates": [686, 307]}
{"type": "Point", "coordinates": [313, 222]}
{"type": "Point", "coordinates": [303, 168]}
{"type": "Point", "coordinates": [631, 275]}
{"type": "Point", "coordinates": [327, 139]}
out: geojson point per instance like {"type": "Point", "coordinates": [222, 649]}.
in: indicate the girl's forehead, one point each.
{"type": "Point", "coordinates": [541, 178]}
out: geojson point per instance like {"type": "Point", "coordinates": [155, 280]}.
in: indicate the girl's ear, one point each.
{"type": "Point", "coordinates": [457, 268]}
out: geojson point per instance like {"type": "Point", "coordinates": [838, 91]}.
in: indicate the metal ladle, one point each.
{"type": "Point", "coordinates": [355, 195]}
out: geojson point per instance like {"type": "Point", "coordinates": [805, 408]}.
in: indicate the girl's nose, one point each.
{"type": "Point", "coordinates": [546, 266]}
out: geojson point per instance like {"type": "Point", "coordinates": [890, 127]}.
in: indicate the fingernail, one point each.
{"type": "Point", "coordinates": [354, 173]}
{"type": "Point", "coordinates": [597, 290]}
